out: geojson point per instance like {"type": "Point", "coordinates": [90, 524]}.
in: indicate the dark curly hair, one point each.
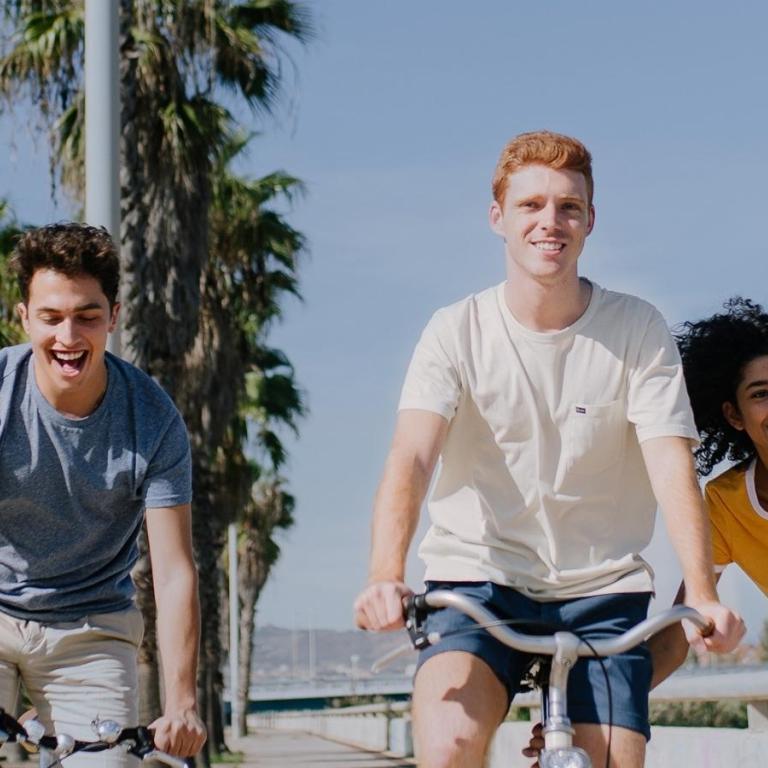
{"type": "Point", "coordinates": [70, 248]}
{"type": "Point", "coordinates": [715, 352]}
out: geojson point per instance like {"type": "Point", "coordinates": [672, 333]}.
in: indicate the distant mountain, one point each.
{"type": "Point", "coordinates": [285, 653]}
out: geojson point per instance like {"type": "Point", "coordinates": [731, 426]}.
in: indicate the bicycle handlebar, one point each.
{"type": "Point", "coordinates": [535, 644]}
{"type": "Point", "coordinates": [137, 741]}
{"type": "Point", "coordinates": [546, 645]}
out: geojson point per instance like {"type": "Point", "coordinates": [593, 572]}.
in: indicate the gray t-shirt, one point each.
{"type": "Point", "coordinates": [73, 491]}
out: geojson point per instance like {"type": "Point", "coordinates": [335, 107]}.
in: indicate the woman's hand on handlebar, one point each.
{"type": "Point", "coordinates": [380, 605]}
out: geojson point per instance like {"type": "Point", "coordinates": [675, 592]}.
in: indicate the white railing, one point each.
{"type": "Point", "coordinates": [386, 727]}
{"type": "Point", "coordinates": [320, 688]}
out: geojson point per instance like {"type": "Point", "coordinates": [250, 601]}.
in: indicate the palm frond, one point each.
{"type": "Point", "coordinates": [46, 52]}
{"type": "Point", "coordinates": [11, 331]}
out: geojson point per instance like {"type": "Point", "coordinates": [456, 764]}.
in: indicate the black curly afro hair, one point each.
{"type": "Point", "coordinates": [715, 352]}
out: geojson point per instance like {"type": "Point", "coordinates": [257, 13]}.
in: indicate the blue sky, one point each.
{"type": "Point", "coordinates": [394, 117]}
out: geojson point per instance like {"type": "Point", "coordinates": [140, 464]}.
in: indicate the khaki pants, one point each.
{"type": "Point", "coordinates": [74, 672]}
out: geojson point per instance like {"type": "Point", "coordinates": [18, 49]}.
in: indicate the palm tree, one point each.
{"type": "Point", "coordinates": [10, 328]}
{"type": "Point", "coordinates": [270, 510]}
{"type": "Point", "coordinates": [254, 263]}
{"type": "Point", "coordinates": [177, 60]}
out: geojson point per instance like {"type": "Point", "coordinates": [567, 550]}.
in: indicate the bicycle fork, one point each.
{"type": "Point", "coordinates": [559, 751]}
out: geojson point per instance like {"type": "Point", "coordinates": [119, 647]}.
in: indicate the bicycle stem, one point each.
{"type": "Point", "coordinates": [558, 732]}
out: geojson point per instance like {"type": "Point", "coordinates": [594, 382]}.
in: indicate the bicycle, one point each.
{"type": "Point", "coordinates": [109, 735]}
{"type": "Point", "coordinates": [556, 654]}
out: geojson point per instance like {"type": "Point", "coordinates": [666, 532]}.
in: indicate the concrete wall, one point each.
{"type": "Point", "coordinates": [367, 727]}
{"type": "Point", "coordinates": [668, 748]}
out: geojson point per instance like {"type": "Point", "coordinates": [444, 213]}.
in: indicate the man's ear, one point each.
{"type": "Point", "coordinates": [495, 218]}
{"type": "Point", "coordinates": [113, 316]}
{"type": "Point", "coordinates": [21, 309]}
{"type": "Point", "coordinates": [591, 220]}
{"type": "Point", "coordinates": [732, 415]}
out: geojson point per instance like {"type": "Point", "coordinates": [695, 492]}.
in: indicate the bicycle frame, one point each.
{"type": "Point", "coordinates": [563, 647]}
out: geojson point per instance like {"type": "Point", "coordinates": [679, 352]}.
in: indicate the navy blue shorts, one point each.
{"type": "Point", "coordinates": [595, 618]}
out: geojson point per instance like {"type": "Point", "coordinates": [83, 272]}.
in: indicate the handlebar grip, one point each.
{"type": "Point", "coordinates": [415, 602]}
{"type": "Point", "coordinates": [709, 630]}
{"type": "Point", "coordinates": [420, 601]}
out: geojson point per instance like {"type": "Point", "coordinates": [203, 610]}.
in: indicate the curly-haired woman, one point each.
{"type": "Point", "coordinates": [725, 358]}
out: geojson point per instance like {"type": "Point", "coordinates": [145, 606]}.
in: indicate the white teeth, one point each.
{"type": "Point", "coordinates": [68, 355]}
{"type": "Point", "coordinates": [549, 246]}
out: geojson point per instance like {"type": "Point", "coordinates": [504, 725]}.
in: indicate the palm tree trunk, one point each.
{"type": "Point", "coordinates": [253, 568]}
{"type": "Point", "coordinates": [208, 535]}
{"type": "Point", "coordinates": [149, 679]}
{"type": "Point", "coordinates": [132, 225]}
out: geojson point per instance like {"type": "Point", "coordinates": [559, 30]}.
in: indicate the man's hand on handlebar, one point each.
{"type": "Point", "coordinates": [180, 733]}
{"type": "Point", "coordinates": [380, 605]}
{"type": "Point", "coordinates": [728, 628]}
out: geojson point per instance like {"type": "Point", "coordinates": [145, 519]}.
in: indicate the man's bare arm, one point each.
{"type": "Point", "coordinates": [670, 467]}
{"type": "Point", "coordinates": [179, 731]}
{"type": "Point", "coordinates": [418, 439]}
{"type": "Point", "coordinates": [669, 648]}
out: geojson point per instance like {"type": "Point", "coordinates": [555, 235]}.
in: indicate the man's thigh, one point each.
{"type": "Point", "coordinates": [458, 702]}
{"type": "Point", "coordinates": [465, 682]}
{"type": "Point", "coordinates": [87, 670]}
{"type": "Point", "coordinates": [11, 640]}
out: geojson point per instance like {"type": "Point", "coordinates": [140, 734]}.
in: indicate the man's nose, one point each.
{"type": "Point", "coordinates": [548, 218]}
{"type": "Point", "coordinates": [66, 333]}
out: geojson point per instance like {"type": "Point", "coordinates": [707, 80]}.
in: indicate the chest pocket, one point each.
{"type": "Point", "coordinates": [595, 436]}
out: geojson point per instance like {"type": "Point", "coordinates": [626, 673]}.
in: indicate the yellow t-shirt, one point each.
{"type": "Point", "coordinates": [739, 523]}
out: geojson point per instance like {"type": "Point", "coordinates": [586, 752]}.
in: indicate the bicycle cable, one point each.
{"type": "Point", "coordinates": [549, 628]}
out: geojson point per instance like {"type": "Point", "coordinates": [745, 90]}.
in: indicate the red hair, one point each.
{"type": "Point", "coordinates": [542, 148]}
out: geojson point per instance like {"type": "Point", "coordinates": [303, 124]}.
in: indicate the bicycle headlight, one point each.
{"type": "Point", "coordinates": [565, 757]}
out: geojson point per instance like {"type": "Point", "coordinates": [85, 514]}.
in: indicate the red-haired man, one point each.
{"type": "Point", "coordinates": [561, 416]}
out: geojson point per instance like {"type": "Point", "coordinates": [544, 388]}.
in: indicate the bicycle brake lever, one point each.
{"type": "Point", "coordinates": [415, 616]}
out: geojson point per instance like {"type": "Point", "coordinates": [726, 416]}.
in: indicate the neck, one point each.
{"type": "Point", "coordinates": [761, 478]}
{"type": "Point", "coordinates": [79, 404]}
{"type": "Point", "coordinates": [547, 307]}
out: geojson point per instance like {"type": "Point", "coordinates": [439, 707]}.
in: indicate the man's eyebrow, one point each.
{"type": "Point", "coordinates": [539, 196]}
{"type": "Point", "coordinates": [79, 308]}
{"type": "Point", "coordinates": [758, 383]}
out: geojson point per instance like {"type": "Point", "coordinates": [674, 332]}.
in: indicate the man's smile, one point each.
{"type": "Point", "coordinates": [70, 363]}
{"type": "Point", "coordinates": [551, 246]}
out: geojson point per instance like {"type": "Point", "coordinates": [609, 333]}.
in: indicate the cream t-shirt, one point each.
{"type": "Point", "coordinates": [542, 485]}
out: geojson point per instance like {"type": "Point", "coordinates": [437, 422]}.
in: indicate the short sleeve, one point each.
{"type": "Point", "coordinates": [432, 382]}
{"type": "Point", "coordinates": [721, 551]}
{"type": "Point", "coordinates": [658, 402]}
{"type": "Point", "coordinates": [168, 480]}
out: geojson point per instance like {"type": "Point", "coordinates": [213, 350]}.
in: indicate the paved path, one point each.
{"type": "Point", "coordinates": [286, 749]}
{"type": "Point", "coordinates": [269, 749]}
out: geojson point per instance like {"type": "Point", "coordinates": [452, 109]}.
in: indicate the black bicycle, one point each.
{"type": "Point", "coordinates": [108, 735]}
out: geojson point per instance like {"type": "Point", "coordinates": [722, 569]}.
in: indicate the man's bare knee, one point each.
{"type": "Point", "coordinates": [627, 746]}
{"type": "Point", "coordinates": [457, 704]}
